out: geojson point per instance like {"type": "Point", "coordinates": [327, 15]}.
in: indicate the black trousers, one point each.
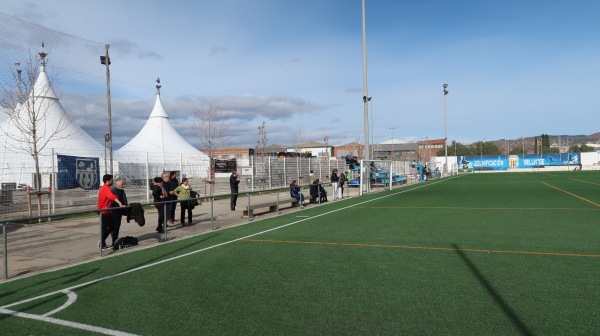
{"type": "Point", "coordinates": [161, 215]}
{"type": "Point", "coordinates": [185, 206]}
{"type": "Point", "coordinates": [234, 197]}
{"type": "Point", "coordinates": [172, 207]}
{"type": "Point", "coordinates": [117, 216]}
{"type": "Point", "coordinates": [108, 226]}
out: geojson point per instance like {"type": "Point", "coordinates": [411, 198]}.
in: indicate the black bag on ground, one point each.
{"type": "Point", "coordinates": [125, 242]}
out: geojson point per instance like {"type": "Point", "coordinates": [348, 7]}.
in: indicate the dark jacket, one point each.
{"type": "Point", "coordinates": [120, 193]}
{"type": "Point", "coordinates": [334, 177]}
{"type": "Point", "coordinates": [342, 180]}
{"type": "Point", "coordinates": [173, 184]}
{"type": "Point", "coordinates": [314, 190]}
{"type": "Point", "coordinates": [136, 212]}
{"type": "Point", "coordinates": [234, 184]}
{"type": "Point", "coordinates": [157, 192]}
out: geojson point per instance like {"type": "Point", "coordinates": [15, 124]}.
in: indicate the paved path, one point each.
{"type": "Point", "coordinates": [35, 248]}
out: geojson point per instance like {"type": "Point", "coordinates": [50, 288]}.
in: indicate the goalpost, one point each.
{"type": "Point", "coordinates": [377, 174]}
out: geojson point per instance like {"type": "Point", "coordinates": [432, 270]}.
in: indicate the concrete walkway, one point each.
{"type": "Point", "coordinates": [34, 248]}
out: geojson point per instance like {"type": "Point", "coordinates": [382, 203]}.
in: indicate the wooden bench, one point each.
{"type": "Point", "coordinates": [272, 205]}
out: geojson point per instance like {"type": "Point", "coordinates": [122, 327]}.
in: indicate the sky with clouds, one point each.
{"type": "Point", "coordinates": [514, 68]}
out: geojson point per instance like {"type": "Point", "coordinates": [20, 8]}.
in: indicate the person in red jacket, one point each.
{"type": "Point", "coordinates": [105, 199]}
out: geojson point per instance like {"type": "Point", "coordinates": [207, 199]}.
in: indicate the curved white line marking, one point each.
{"type": "Point", "coordinates": [72, 297]}
{"type": "Point", "coordinates": [65, 323]}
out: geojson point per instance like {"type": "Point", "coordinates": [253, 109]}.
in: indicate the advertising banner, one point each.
{"type": "Point", "coordinates": [501, 162]}
{"type": "Point", "coordinates": [77, 172]}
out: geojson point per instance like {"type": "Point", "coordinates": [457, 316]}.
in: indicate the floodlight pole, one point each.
{"type": "Point", "coordinates": [110, 141]}
{"type": "Point", "coordinates": [392, 154]}
{"type": "Point", "coordinates": [366, 97]}
{"type": "Point", "coordinates": [445, 135]}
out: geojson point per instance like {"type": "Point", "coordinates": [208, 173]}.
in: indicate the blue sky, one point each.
{"type": "Point", "coordinates": [514, 68]}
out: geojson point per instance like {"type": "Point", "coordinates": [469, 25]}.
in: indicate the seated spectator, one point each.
{"type": "Point", "coordinates": [295, 192]}
{"type": "Point", "coordinates": [314, 190]}
{"type": "Point", "coordinates": [373, 168]}
{"type": "Point", "coordinates": [323, 192]}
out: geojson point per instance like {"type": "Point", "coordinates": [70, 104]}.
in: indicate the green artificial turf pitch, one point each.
{"type": "Point", "coordinates": [480, 254]}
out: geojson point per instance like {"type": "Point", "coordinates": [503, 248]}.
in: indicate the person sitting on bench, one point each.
{"type": "Point", "coordinates": [295, 192]}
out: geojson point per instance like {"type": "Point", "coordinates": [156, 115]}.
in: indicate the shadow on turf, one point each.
{"type": "Point", "coordinates": [70, 279]}
{"type": "Point", "coordinates": [506, 309]}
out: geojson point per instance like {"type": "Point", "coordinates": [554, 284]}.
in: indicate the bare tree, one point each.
{"type": "Point", "coordinates": [32, 124]}
{"type": "Point", "coordinates": [262, 142]}
{"type": "Point", "coordinates": [297, 139]}
{"type": "Point", "coordinates": [210, 125]}
{"type": "Point", "coordinates": [260, 153]}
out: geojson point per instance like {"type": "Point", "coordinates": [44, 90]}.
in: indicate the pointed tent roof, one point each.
{"type": "Point", "coordinates": [158, 137]}
{"type": "Point", "coordinates": [57, 131]}
{"type": "Point", "coordinates": [60, 133]}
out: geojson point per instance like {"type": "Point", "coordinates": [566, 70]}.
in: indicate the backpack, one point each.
{"type": "Point", "coordinates": [125, 242]}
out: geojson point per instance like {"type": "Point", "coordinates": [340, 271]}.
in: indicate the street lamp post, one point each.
{"type": "Point", "coordinates": [445, 135]}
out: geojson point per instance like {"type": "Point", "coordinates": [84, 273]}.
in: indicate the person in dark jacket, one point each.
{"type": "Point", "coordinates": [322, 193]}
{"type": "Point", "coordinates": [160, 194]}
{"type": "Point", "coordinates": [118, 214]}
{"type": "Point", "coordinates": [295, 192]}
{"type": "Point", "coordinates": [335, 179]}
{"type": "Point", "coordinates": [234, 182]}
{"type": "Point", "coordinates": [314, 190]}
{"type": "Point", "coordinates": [173, 184]}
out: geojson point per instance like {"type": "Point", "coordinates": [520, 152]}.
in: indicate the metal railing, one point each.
{"type": "Point", "coordinates": [252, 198]}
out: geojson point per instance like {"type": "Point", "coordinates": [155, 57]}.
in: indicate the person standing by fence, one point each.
{"type": "Point", "coordinates": [234, 182]}
{"type": "Point", "coordinates": [105, 198]}
{"type": "Point", "coordinates": [160, 194]}
{"type": "Point", "coordinates": [184, 191]}
{"type": "Point", "coordinates": [173, 184]}
{"type": "Point", "coordinates": [341, 182]}
{"type": "Point", "coordinates": [118, 214]}
{"type": "Point", "coordinates": [334, 183]}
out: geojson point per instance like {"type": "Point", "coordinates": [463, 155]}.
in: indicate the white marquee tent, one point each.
{"type": "Point", "coordinates": [158, 147]}
{"type": "Point", "coordinates": [56, 133]}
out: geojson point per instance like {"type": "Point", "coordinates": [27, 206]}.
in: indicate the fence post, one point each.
{"type": "Point", "coordinates": [212, 211]}
{"type": "Point", "coordinates": [100, 240]}
{"type": "Point", "coordinates": [249, 208]}
{"type": "Point", "coordinates": [391, 174]}
{"type": "Point", "coordinates": [253, 168]}
{"type": "Point", "coordinates": [284, 173]}
{"type": "Point", "coordinates": [270, 177]}
{"type": "Point", "coordinates": [166, 228]}
{"type": "Point", "coordinates": [278, 203]}
{"type": "Point", "coordinates": [5, 243]}
{"type": "Point", "coordinates": [147, 180]}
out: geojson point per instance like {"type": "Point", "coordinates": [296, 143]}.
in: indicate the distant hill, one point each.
{"type": "Point", "coordinates": [563, 140]}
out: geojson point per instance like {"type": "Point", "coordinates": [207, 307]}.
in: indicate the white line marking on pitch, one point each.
{"type": "Point", "coordinates": [72, 297]}
{"type": "Point", "coordinates": [65, 323]}
{"type": "Point", "coordinates": [3, 309]}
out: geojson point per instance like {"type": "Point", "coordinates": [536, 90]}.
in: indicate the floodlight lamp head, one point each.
{"type": "Point", "coordinates": [445, 86]}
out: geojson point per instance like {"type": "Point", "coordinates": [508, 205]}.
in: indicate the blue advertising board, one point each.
{"type": "Point", "coordinates": [77, 172]}
{"type": "Point", "coordinates": [501, 162]}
